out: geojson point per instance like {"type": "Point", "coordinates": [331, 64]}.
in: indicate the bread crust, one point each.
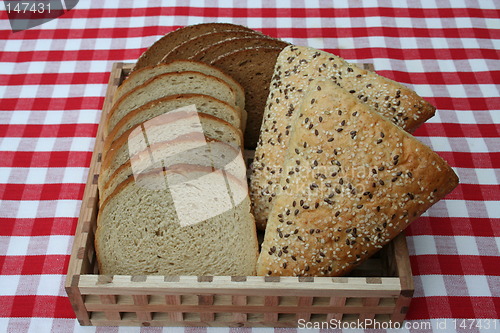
{"type": "Point", "coordinates": [352, 181]}
{"type": "Point", "coordinates": [155, 52]}
{"type": "Point", "coordinates": [195, 44]}
{"type": "Point", "coordinates": [122, 141]}
{"type": "Point", "coordinates": [169, 67]}
{"type": "Point", "coordinates": [232, 44]}
{"type": "Point", "coordinates": [127, 170]}
{"type": "Point", "coordinates": [111, 121]}
{"type": "Point", "coordinates": [122, 123]}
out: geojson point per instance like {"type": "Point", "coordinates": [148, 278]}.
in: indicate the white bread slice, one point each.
{"type": "Point", "coordinates": [295, 67]}
{"type": "Point", "coordinates": [352, 181]}
{"type": "Point", "coordinates": [204, 104]}
{"type": "Point", "coordinates": [165, 85]}
{"type": "Point", "coordinates": [156, 130]}
{"type": "Point", "coordinates": [157, 51]}
{"type": "Point", "coordinates": [142, 229]}
{"type": "Point", "coordinates": [209, 152]}
{"type": "Point", "coordinates": [144, 74]}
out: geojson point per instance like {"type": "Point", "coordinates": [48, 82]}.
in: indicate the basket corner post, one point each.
{"type": "Point", "coordinates": [77, 300]}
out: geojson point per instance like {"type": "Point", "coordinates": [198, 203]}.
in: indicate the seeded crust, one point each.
{"type": "Point", "coordinates": [166, 85]}
{"type": "Point", "coordinates": [252, 68]}
{"type": "Point", "coordinates": [295, 66]}
{"type": "Point", "coordinates": [144, 74]}
{"type": "Point", "coordinates": [138, 233]}
{"type": "Point", "coordinates": [231, 44]}
{"type": "Point", "coordinates": [165, 44]}
{"type": "Point", "coordinates": [352, 181]}
{"type": "Point", "coordinates": [204, 104]}
{"type": "Point", "coordinates": [213, 127]}
{"type": "Point", "coordinates": [194, 45]}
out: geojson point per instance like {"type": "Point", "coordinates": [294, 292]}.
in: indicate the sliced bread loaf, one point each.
{"type": "Point", "coordinates": [144, 229]}
{"type": "Point", "coordinates": [162, 46]}
{"type": "Point", "coordinates": [157, 130]}
{"type": "Point", "coordinates": [352, 181]}
{"type": "Point", "coordinates": [208, 152]}
{"type": "Point", "coordinates": [144, 74]}
{"type": "Point", "coordinates": [203, 103]}
{"type": "Point", "coordinates": [295, 67]}
{"type": "Point", "coordinates": [194, 45]}
{"type": "Point", "coordinates": [214, 51]}
{"type": "Point", "coordinates": [253, 68]}
{"type": "Point", "coordinates": [166, 85]}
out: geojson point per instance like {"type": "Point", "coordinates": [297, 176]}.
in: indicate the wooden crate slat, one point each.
{"type": "Point", "coordinates": [176, 301]}
{"type": "Point", "coordinates": [369, 302]}
{"type": "Point", "coordinates": [270, 306]}
{"type": "Point", "coordinates": [142, 301]}
{"type": "Point", "coordinates": [239, 301]}
{"type": "Point", "coordinates": [208, 301]}
{"type": "Point", "coordinates": [288, 286]}
{"type": "Point", "coordinates": [336, 302]}
{"type": "Point", "coordinates": [304, 303]}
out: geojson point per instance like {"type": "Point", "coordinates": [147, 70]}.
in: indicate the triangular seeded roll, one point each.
{"type": "Point", "coordinates": [295, 67]}
{"type": "Point", "coordinates": [351, 182]}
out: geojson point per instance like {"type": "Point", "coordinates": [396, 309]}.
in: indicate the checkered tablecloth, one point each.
{"type": "Point", "coordinates": [53, 79]}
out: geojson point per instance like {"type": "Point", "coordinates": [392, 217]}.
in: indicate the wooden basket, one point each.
{"type": "Point", "coordinates": [380, 289]}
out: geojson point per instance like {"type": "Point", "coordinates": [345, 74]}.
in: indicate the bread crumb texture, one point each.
{"type": "Point", "coordinates": [351, 182]}
{"type": "Point", "coordinates": [139, 231]}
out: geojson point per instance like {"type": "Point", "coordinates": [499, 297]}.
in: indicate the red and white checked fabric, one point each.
{"type": "Point", "coordinates": [52, 84]}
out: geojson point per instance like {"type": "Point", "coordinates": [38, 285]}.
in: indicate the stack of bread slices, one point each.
{"type": "Point", "coordinates": [336, 173]}
{"type": "Point", "coordinates": [172, 128]}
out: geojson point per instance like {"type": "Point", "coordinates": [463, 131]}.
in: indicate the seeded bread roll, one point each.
{"type": "Point", "coordinates": [204, 104]}
{"type": "Point", "coordinates": [232, 44]}
{"type": "Point", "coordinates": [166, 85]}
{"type": "Point", "coordinates": [352, 181]}
{"type": "Point", "coordinates": [144, 74]}
{"type": "Point", "coordinates": [295, 66]}
{"type": "Point", "coordinates": [165, 44]}
{"type": "Point", "coordinates": [253, 68]}
{"type": "Point", "coordinates": [194, 45]}
{"type": "Point", "coordinates": [209, 152]}
{"type": "Point", "coordinates": [211, 127]}
{"type": "Point", "coordinates": [141, 231]}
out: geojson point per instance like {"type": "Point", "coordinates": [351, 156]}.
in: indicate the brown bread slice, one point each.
{"type": "Point", "coordinates": [232, 44]}
{"type": "Point", "coordinates": [253, 68]}
{"type": "Point", "coordinates": [352, 181]}
{"type": "Point", "coordinates": [204, 104]}
{"type": "Point", "coordinates": [296, 65]}
{"type": "Point", "coordinates": [194, 45]}
{"type": "Point", "coordinates": [166, 85]}
{"type": "Point", "coordinates": [144, 74]}
{"type": "Point", "coordinates": [139, 231]}
{"type": "Point", "coordinates": [162, 46]}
